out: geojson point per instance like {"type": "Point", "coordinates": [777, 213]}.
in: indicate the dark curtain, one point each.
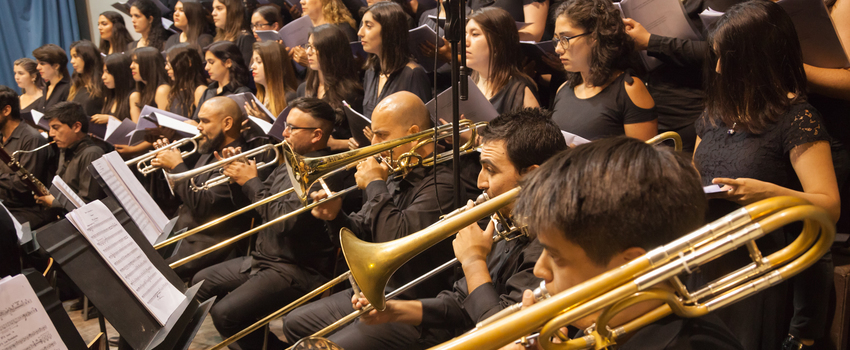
{"type": "Point", "coordinates": [27, 24]}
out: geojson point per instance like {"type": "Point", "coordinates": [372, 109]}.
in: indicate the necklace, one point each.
{"type": "Point", "coordinates": [731, 130]}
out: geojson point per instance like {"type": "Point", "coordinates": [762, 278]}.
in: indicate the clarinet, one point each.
{"type": "Point", "coordinates": [28, 179]}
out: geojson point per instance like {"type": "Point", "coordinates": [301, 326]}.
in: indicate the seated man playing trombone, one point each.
{"type": "Point", "coordinates": [602, 204]}
{"type": "Point", "coordinates": [495, 275]}
{"type": "Point", "coordinates": [393, 207]}
{"type": "Point", "coordinates": [220, 122]}
{"type": "Point", "coordinates": [291, 258]}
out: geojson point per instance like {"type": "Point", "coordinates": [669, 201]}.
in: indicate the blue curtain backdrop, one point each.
{"type": "Point", "coordinates": [27, 24]}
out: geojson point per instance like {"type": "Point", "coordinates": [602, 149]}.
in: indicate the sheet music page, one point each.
{"type": "Point", "coordinates": [24, 323]}
{"type": "Point", "coordinates": [15, 222]}
{"type": "Point", "coordinates": [111, 125]}
{"type": "Point", "coordinates": [477, 108]}
{"type": "Point", "coordinates": [264, 125]}
{"type": "Point", "coordinates": [132, 195]}
{"type": "Point", "coordinates": [268, 35]}
{"type": "Point", "coordinates": [416, 37]}
{"type": "Point", "coordinates": [175, 124]}
{"type": "Point", "coordinates": [36, 116]}
{"type": "Point", "coordinates": [356, 123]}
{"type": "Point", "coordinates": [296, 32]}
{"type": "Point", "coordinates": [573, 139]}
{"type": "Point", "coordinates": [68, 192]}
{"type": "Point", "coordinates": [96, 222]}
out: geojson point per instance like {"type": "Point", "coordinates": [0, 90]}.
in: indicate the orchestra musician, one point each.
{"type": "Point", "coordinates": [291, 258]}
{"type": "Point", "coordinates": [393, 208]}
{"type": "Point", "coordinates": [495, 275]}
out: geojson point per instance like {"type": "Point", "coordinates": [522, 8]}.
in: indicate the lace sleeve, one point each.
{"type": "Point", "coordinates": [805, 126]}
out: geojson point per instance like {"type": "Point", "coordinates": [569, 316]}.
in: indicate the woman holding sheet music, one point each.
{"type": "Point", "coordinates": [119, 84]}
{"type": "Point", "coordinates": [86, 83]}
{"type": "Point", "coordinates": [760, 138]}
{"type": "Point", "coordinates": [185, 68]}
{"type": "Point", "coordinates": [147, 21]}
{"type": "Point", "coordinates": [229, 18]}
{"type": "Point", "coordinates": [390, 67]}
{"type": "Point", "coordinates": [600, 98]}
{"type": "Point", "coordinates": [148, 69]}
{"type": "Point", "coordinates": [493, 54]}
{"type": "Point", "coordinates": [274, 77]}
{"type": "Point", "coordinates": [114, 36]}
{"type": "Point", "coordinates": [333, 78]}
{"type": "Point", "coordinates": [226, 69]}
{"type": "Point", "coordinates": [191, 18]}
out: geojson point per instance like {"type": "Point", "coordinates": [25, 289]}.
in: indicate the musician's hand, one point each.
{"type": "Point", "coordinates": [167, 159]}
{"type": "Point", "coordinates": [241, 172]}
{"type": "Point", "coordinates": [367, 131]}
{"type": "Point", "coordinates": [472, 244]}
{"type": "Point", "coordinates": [403, 311]}
{"type": "Point", "coordinates": [162, 142]}
{"type": "Point", "coordinates": [370, 170]}
{"type": "Point", "coordinates": [638, 33]}
{"type": "Point", "coordinates": [444, 52]}
{"type": "Point", "coordinates": [464, 136]}
{"type": "Point", "coordinates": [352, 144]}
{"type": "Point", "coordinates": [100, 118]}
{"type": "Point", "coordinates": [527, 300]}
{"type": "Point", "coordinates": [45, 201]}
{"type": "Point", "coordinates": [742, 190]}
{"type": "Point", "coordinates": [253, 110]}
{"type": "Point", "coordinates": [227, 152]}
{"type": "Point", "coordinates": [329, 209]}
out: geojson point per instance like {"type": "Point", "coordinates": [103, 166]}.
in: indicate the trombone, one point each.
{"type": "Point", "coordinates": [142, 162]}
{"type": "Point", "coordinates": [634, 282]}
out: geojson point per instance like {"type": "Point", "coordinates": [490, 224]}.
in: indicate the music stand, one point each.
{"type": "Point", "coordinates": [53, 307]}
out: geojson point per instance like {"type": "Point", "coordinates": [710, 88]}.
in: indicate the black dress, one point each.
{"type": "Point", "coordinates": [514, 7]}
{"type": "Point", "coordinates": [203, 41]}
{"type": "Point", "coordinates": [761, 322]}
{"type": "Point", "coordinates": [59, 94]}
{"type": "Point", "coordinates": [414, 80]}
{"type": "Point", "coordinates": [91, 105]}
{"type": "Point", "coordinates": [512, 95]}
{"type": "Point", "coordinates": [602, 115]}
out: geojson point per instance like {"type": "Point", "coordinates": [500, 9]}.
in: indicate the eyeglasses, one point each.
{"type": "Point", "coordinates": [564, 41]}
{"type": "Point", "coordinates": [256, 26]}
{"type": "Point", "coordinates": [308, 47]}
{"type": "Point", "coordinates": [291, 127]}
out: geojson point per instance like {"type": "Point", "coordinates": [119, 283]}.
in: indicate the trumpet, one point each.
{"type": "Point", "coordinates": [617, 289]}
{"type": "Point", "coordinates": [219, 166]}
{"type": "Point", "coordinates": [142, 162]}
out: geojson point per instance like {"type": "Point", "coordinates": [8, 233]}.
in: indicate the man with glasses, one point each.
{"type": "Point", "coordinates": [291, 258]}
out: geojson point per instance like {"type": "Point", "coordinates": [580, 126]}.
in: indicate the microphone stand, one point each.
{"type": "Point", "coordinates": [455, 33]}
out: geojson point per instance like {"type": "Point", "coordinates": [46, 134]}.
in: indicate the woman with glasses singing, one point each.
{"type": "Point", "coordinates": [600, 98]}
{"type": "Point", "coordinates": [493, 53]}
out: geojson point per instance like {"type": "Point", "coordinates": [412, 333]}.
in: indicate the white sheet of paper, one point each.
{"type": "Point", "coordinates": [712, 189]}
{"type": "Point", "coordinates": [111, 125]}
{"type": "Point", "coordinates": [96, 222]}
{"type": "Point", "coordinates": [24, 323]}
{"type": "Point", "coordinates": [476, 108]}
{"type": "Point", "coordinates": [68, 192]}
{"type": "Point", "coordinates": [263, 107]}
{"type": "Point", "coordinates": [36, 116]}
{"type": "Point", "coordinates": [573, 139]}
{"type": "Point", "coordinates": [266, 126]}
{"type": "Point", "coordinates": [175, 124]}
{"type": "Point", "coordinates": [132, 195]}
{"type": "Point", "coordinates": [296, 32]}
{"type": "Point", "coordinates": [15, 222]}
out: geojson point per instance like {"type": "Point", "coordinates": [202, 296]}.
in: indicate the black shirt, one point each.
{"type": "Point", "coordinates": [212, 91]}
{"type": "Point", "coordinates": [411, 78]}
{"type": "Point", "coordinates": [514, 7]}
{"type": "Point", "coordinates": [402, 206]}
{"type": "Point", "coordinates": [512, 95]}
{"type": "Point", "coordinates": [91, 105]}
{"type": "Point", "coordinates": [511, 265]}
{"type": "Point", "coordinates": [59, 94]}
{"type": "Point", "coordinates": [245, 42]}
{"type": "Point", "coordinates": [354, 99]}
{"type": "Point", "coordinates": [13, 192]}
{"type": "Point", "coordinates": [676, 333]}
{"type": "Point", "coordinates": [602, 115]}
{"type": "Point", "coordinates": [299, 242]}
{"type": "Point", "coordinates": [73, 169]}
{"type": "Point", "coordinates": [203, 41]}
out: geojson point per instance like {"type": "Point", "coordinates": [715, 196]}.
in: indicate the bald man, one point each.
{"type": "Point", "coordinates": [394, 207]}
{"type": "Point", "coordinates": [219, 121]}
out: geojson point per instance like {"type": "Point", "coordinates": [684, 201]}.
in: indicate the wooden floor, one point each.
{"type": "Point", "coordinates": [207, 336]}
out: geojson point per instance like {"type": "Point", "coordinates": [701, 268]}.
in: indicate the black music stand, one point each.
{"type": "Point", "coordinates": [113, 298]}
{"type": "Point", "coordinates": [47, 296]}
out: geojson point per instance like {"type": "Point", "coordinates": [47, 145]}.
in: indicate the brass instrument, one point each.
{"type": "Point", "coordinates": [617, 289]}
{"type": "Point", "coordinates": [669, 135]}
{"type": "Point", "coordinates": [142, 162]}
{"type": "Point", "coordinates": [11, 161]}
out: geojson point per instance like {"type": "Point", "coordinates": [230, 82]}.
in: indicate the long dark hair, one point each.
{"type": "Point", "coordinates": [153, 74]}
{"type": "Point", "coordinates": [280, 76]}
{"type": "Point", "coordinates": [118, 65]}
{"type": "Point", "coordinates": [188, 67]}
{"type": "Point", "coordinates": [395, 54]}
{"type": "Point", "coordinates": [120, 36]}
{"type": "Point", "coordinates": [760, 63]}
{"type": "Point", "coordinates": [30, 67]}
{"type": "Point", "coordinates": [157, 35]}
{"type": "Point", "coordinates": [271, 14]}
{"type": "Point", "coordinates": [226, 50]}
{"type": "Point", "coordinates": [234, 20]}
{"type": "Point", "coordinates": [340, 72]}
{"type": "Point", "coordinates": [196, 17]}
{"type": "Point", "coordinates": [612, 45]}
{"type": "Point", "coordinates": [53, 54]}
{"type": "Point", "coordinates": [89, 78]}
{"type": "Point", "coordinates": [503, 42]}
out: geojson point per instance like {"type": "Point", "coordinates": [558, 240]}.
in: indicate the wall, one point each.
{"type": "Point", "coordinates": [95, 8]}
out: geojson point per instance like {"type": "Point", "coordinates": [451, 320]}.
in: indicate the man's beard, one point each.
{"type": "Point", "coordinates": [211, 145]}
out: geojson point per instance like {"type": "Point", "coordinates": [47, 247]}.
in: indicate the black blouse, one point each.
{"type": "Point", "coordinates": [512, 95]}
{"type": "Point", "coordinates": [414, 80]}
{"type": "Point", "coordinates": [91, 105]}
{"type": "Point", "coordinates": [514, 7]}
{"type": "Point", "coordinates": [245, 42]}
{"type": "Point", "coordinates": [212, 91]}
{"type": "Point", "coordinates": [60, 93]}
{"type": "Point", "coordinates": [203, 41]}
{"type": "Point", "coordinates": [602, 115]}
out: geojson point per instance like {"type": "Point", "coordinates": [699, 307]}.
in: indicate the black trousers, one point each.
{"type": "Point", "coordinates": [311, 318]}
{"type": "Point", "coordinates": [246, 296]}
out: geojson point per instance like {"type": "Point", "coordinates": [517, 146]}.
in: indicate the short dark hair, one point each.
{"type": "Point", "coordinates": [319, 110]}
{"type": "Point", "coordinates": [68, 113]}
{"type": "Point", "coordinates": [9, 97]}
{"type": "Point", "coordinates": [53, 54]}
{"type": "Point", "coordinates": [613, 194]}
{"type": "Point", "coordinates": [530, 136]}
{"type": "Point", "coordinates": [761, 61]}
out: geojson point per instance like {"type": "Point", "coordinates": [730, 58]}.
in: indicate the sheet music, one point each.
{"type": "Point", "coordinates": [573, 139]}
{"type": "Point", "coordinates": [819, 41]}
{"type": "Point", "coordinates": [136, 201]}
{"type": "Point", "coordinates": [296, 32]}
{"type": "Point", "coordinates": [111, 125]}
{"type": "Point", "coordinates": [68, 192]}
{"type": "Point", "coordinates": [268, 35]}
{"type": "Point", "coordinates": [175, 124]}
{"type": "Point", "coordinates": [279, 125]}
{"type": "Point", "coordinates": [477, 108]}
{"type": "Point", "coordinates": [122, 132]}
{"type": "Point", "coordinates": [356, 123]}
{"type": "Point", "coordinates": [38, 119]}
{"type": "Point", "coordinates": [709, 17]}
{"type": "Point", "coordinates": [15, 222]}
{"type": "Point", "coordinates": [660, 17]}
{"type": "Point", "coordinates": [712, 189]}
{"type": "Point", "coordinates": [264, 125]}
{"type": "Point", "coordinates": [417, 36]}
{"type": "Point", "coordinates": [24, 323]}
{"type": "Point", "coordinates": [114, 244]}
